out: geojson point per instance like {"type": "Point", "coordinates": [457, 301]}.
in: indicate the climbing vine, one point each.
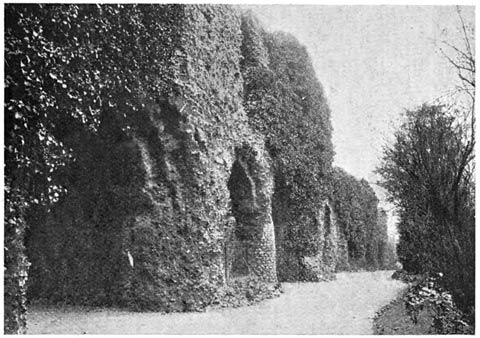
{"type": "Point", "coordinates": [356, 208]}
{"type": "Point", "coordinates": [286, 103]}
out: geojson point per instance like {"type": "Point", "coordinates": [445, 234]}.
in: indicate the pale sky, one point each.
{"type": "Point", "coordinates": [373, 62]}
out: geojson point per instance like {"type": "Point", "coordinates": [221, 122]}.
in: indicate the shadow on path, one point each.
{"type": "Point", "coordinates": [344, 306]}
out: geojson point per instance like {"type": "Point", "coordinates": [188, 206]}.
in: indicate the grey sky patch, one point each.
{"type": "Point", "coordinates": [374, 62]}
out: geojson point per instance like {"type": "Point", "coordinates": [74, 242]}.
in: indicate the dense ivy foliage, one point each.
{"type": "Point", "coordinates": [63, 65]}
{"type": "Point", "coordinates": [67, 68]}
{"type": "Point", "coordinates": [360, 223]}
{"type": "Point", "coordinates": [97, 153]}
{"type": "Point", "coordinates": [286, 103]}
{"type": "Point", "coordinates": [99, 237]}
{"type": "Point", "coordinates": [428, 172]}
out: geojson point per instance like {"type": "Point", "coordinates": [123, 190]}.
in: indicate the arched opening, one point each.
{"type": "Point", "coordinates": [249, 236]}
{"type": "Point", "coordinates": [238, 255]}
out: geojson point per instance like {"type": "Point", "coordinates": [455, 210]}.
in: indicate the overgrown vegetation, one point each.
{"type": "Point", "coordinates": [89, 119]}
{"type": "Point", "coordinates": [362, 225]}
{"type": "Point", "coordinates": [447, 318]}
{"type": "Point", "coordinates": [429, 174]}
{"type": "Point", "coordinates": [76, 78]}
{"type": "Point", "coordinates": [424, 308]}
{"type": "Point", "coordinates": [244, 291]}
{"type": "Point", "coordinates": [286, 103]}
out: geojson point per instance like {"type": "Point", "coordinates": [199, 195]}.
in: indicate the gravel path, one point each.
{"type": "Point", "coordinates": [344, 306]}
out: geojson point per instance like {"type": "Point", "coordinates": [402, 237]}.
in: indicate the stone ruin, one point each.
{"type": "Point", "coordinates": [192, 212]}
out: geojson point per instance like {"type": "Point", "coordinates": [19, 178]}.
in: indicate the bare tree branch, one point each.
{"type": "Point", "coordinates": [465, 34]}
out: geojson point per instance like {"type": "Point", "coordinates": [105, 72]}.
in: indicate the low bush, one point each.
{"type": "Point", "coordinates": [429, 294]}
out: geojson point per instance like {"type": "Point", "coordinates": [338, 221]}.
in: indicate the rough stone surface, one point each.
{"type": "Point", "coordinates": [277, 70]}
{"type": "Point", "coordinates": [208, 132]}
{"type": "Point", "coordinates": [180, 209]}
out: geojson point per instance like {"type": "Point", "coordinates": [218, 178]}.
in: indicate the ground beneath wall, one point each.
{"type": "Point", "coordinates": [344, 306]}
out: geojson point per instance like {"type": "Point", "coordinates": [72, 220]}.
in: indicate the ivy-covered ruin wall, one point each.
{"type": "Point", "coordinates": [362, 227]}
{"type": "Point", "coordinates": [198, 160]}
{"type": "Point", "coordinates": [147, 220]}
{"type": "Point", "coordinates": [286, 103]}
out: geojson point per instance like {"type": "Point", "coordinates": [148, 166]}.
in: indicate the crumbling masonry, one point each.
{"type": "Point", "coordinates": [191, 198]}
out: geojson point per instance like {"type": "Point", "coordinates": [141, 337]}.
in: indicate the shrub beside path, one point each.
{"type": "Point", "coordinates": [344, 306]}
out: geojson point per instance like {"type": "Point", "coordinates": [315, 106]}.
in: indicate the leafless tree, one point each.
{"type": "Point", "coordinates": [462, 57]}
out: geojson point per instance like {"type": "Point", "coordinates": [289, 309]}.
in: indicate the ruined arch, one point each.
{"type": "Point", "coordinates": [243, 228]}
{"type": "Point", "coordinates": [249, 237]}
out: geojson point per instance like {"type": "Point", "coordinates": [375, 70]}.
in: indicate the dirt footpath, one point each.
{"type": "Point", "coordinates": [344, 306]}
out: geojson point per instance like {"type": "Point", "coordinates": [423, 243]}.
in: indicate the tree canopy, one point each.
{"type": "Point", "coordinates": [428, 172]}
